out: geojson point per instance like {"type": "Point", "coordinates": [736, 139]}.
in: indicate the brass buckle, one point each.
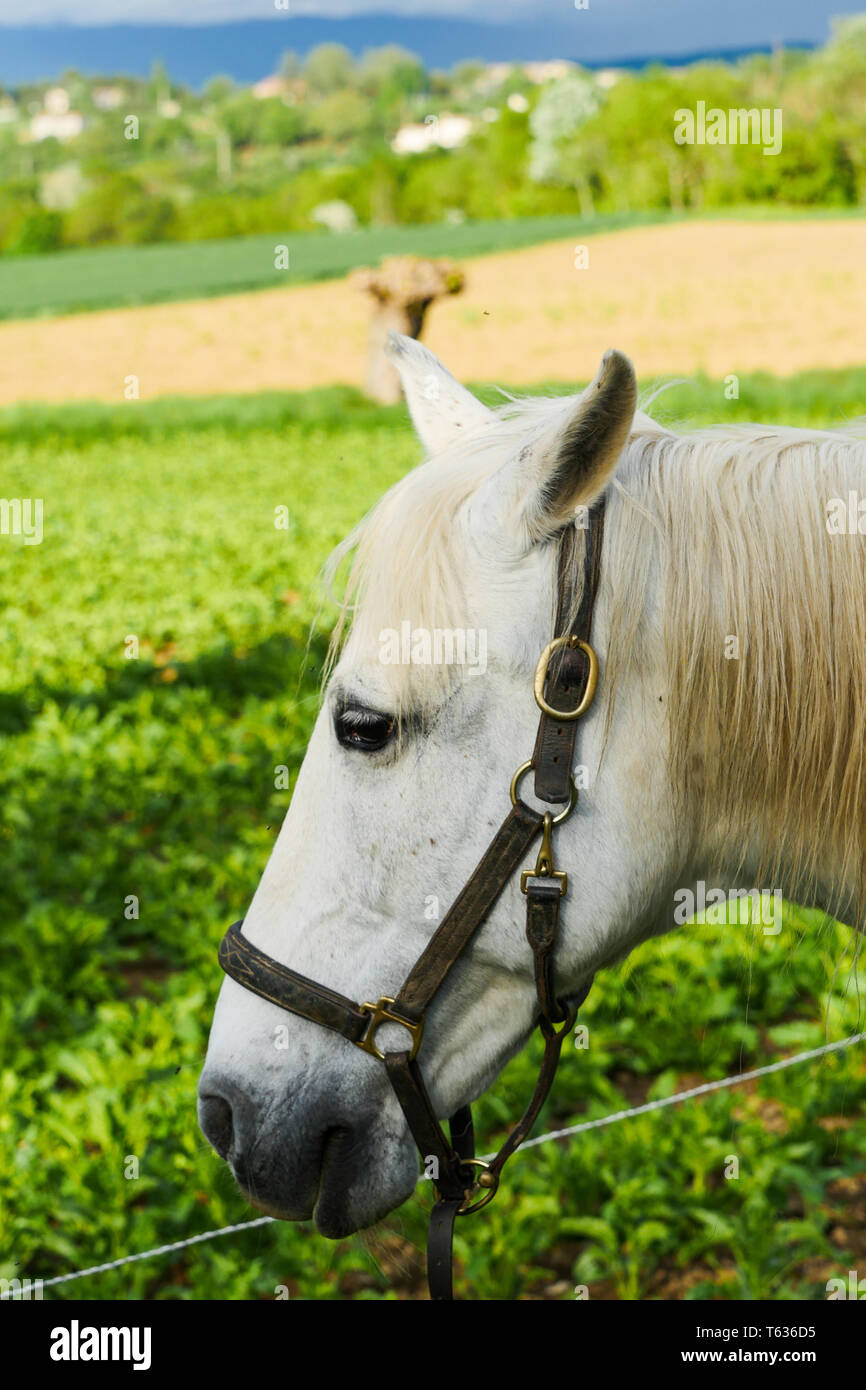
{"type": "Point", "coordinates": [572, 793]}
{"type": "Point", "coordinates": [491, 1183]}
{"type": "Point", "coordinates": [544, 863]}
{"type": "Point", "coordinates": [565, 715]}
{"type": "Point", "coordinates": [379, 1013]}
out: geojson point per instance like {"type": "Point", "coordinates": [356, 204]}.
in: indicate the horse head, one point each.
{"type": "Point", "coordinates": [428, 711]}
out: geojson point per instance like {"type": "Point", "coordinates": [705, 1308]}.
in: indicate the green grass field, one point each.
{"type": "Point", "coordinates": [67, 281]}
{"type": "Point", "coordinates": [155, 778]}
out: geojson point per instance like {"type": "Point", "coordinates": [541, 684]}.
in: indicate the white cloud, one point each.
{"type": "Point", "coordinates": [26, 12]}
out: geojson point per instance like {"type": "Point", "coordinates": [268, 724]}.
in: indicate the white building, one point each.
{"type": "Point", "coordinates": [552, 71]}
{"type": "Point", "coordinates": [608, 77]}
{"type": "Point", "coordinates": [274, 86]}
{"type": "Point", "coordinates": [445, 132]}
{"type": "Point", "coordinates": [65, 126]}
{"type": "Point", "coordinates": [107, 98]}
{"type": "Point", "coordinates": [56, 101]}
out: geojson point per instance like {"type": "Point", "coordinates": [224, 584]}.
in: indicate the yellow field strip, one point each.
{"type": "Point", "coordinates": [720, 296]}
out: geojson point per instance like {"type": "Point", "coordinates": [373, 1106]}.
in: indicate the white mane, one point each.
{"type": "Point", "coordinates": [732, 521]}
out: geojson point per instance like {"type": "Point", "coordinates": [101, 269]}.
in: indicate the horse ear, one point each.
{"type": "Point", "coordinates": [568, 463]}
{"type": "Point", "coordinates": [442, 410]}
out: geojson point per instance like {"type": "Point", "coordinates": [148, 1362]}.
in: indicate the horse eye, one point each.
{"type": "Point", "coordinates": [364, 729]}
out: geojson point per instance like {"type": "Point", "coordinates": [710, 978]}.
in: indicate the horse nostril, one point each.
{"type": "Point", "coordinates": [217, 1123]}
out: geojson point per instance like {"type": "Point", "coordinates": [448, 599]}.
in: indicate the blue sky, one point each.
{"type": "Point", "coordinates": [128, 35]}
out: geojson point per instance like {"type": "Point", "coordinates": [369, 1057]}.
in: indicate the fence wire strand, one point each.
{"type": "Point", "coordinates": [736, 1080]}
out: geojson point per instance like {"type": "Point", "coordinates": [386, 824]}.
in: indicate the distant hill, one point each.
{"type": "Point", "coordinates": [248, 51]}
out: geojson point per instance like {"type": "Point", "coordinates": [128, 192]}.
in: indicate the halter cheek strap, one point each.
{"type": "Point", "coordinates": [564, 686]}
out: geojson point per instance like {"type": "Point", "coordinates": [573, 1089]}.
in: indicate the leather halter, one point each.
{"type": "Point", "coordinates": [565, 681]}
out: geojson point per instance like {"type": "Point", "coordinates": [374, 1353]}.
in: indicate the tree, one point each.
{"type": "Point", "coordinates": [159, 83]}
{"type": "Point", "coordinates": [467, 73]}
{"type": "Point", "coordinates": [392, 69]}
{"type": "Point", "coordinates": [279, 124]}
{"type": "Point", "coordinates": [219, 89]}
{"type": "Point", "coordinates": [241, 119]}
{"type": "Point", "coordinates": [329, 68]}
{"type": "Point", "coordinates": [117, 208]}
{"type": "Point", "coordinates": [402, 290]}
{"type": "Point", "coordinates": [290, 66]}
{"type": "Point", "coordinates": [562, 109]}
{"type": "Point", "coordinates": [341, 115]}
{"type": "Point", "coordinates": [38, 231]}
{"type": "Point", "coordinates": [849, 32]}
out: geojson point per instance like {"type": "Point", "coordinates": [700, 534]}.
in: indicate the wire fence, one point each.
{"type": "Point", "coordinates": [738, 1079]}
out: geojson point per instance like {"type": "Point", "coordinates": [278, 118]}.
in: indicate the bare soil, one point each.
{"type": "Point", "coordinates": [722, 296]}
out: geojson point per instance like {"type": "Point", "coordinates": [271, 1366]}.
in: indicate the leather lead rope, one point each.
{"type": "Point", "coordinates": [447, 1208]}
{"type": "Point", "coordinates": [564, 687]}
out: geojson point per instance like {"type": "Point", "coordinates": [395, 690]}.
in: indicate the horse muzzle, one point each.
{"type": "Point", "coordinates": [298, 1163]}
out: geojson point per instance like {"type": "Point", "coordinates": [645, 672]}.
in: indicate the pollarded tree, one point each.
{"type": "Point", "coordinates": [402, 289]}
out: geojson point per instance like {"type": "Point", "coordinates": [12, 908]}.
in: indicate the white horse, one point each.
{"type": "Point", "coordinates": [725, 746]}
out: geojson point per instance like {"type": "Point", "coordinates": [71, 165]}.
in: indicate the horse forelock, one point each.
{"type": "Point", "coordinates": [404, 562]}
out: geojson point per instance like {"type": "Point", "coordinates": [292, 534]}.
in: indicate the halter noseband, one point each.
{"type": "Point", "coordinates": [564, 686]}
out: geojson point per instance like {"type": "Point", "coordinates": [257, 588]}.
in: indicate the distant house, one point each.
{"type": "Point", "coordinates": [274, 86]}
{"type": "Point", "coordinates": [608, 77]}
{"type": "Point", "coordinates": [494, 75]}
{"type": "Point", "coordinates": [538, 73]}
{"type": "Point", "coordinates": [445, 132]}
{"type": "Point", "coordinates": [56, 121]}
{"type": "Point", "coordinates": [412, 139]}
{"type": "Point", "coordinates": [46, 125]}
{"type": "Point", "coordinates": [336, 215]}
{"type": "Point", "coordinates": [292, 90]}
{"type": "Point", "coordinates": [552, 71]}
{"type": "Point", "coordinates": [107, 98]}
{"type": "Point", "coordinates": [56, 101]}
{"type": "Point", "coordinates": [452, 131]}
